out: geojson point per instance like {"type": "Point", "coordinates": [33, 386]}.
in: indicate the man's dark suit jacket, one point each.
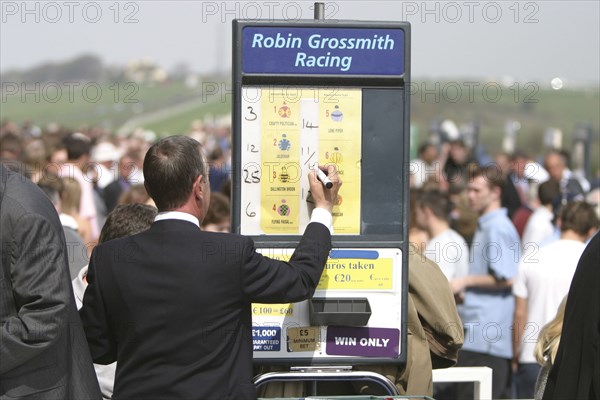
{"type": "Point", "coordinates": [173, 306]}
{"type": "Point", "coordinates": [112, 193]}
{"type": "Point", "coordinates": [43, 351]}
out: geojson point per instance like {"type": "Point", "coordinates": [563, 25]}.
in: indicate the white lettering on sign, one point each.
{"type": "Point", "coordinates": [364, 342]}
{"type": "Point", "coordinates": [345, 341]}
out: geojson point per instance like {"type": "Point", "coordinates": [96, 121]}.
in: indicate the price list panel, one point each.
{"type": "Point", "coordinates": [287, 131]}
{"type": "Point", "coordinates": [284, 331]}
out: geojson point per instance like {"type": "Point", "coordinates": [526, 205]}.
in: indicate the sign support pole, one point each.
{"type": "Point", "coordinates": [319, 11]}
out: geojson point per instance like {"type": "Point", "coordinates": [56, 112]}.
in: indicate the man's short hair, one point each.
{"type": "Point", "coordinates": [171, 167]}
{"type": "Point", "coordinates": [548, 191]}
{"type": "Point", "coordinates": [11, 143]}
{"type": "Point", "coordinates": [77, 145]}
{"type": "Point", "coordinates": [578, 216]}
{"type": "Point", "coordinates": [437, 202]}
{"type": "Point", "coordinates": [424, 146]}
{"type": "Point", "coordinates": [459, 142]}
{"type": "Point", "coordinates": [127, 220]}
{"type": "Point", "coordinates": [492, 175]}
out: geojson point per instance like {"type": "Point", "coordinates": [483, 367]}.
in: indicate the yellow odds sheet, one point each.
{"type": "Point", "coordinates": [288, 131]}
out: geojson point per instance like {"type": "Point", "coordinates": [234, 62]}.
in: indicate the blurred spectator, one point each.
{"type": "Point", "coordinates": [570, 188]}
{"type": "Point", "coordinates": [78, 153]}
{"type": "Point", "coordinates": [425, 167]}
{"type": "Point", "coordinates": [463, 219]}
{"type": "Point", "coordinates": [527, 175]}
{"type": "Point", "coordinates": [136, 194]}
{"type": "Point", "coordinates": [457, 162]}
{"type": "Point", "coordinates": [52, 186]}
{"type": "Point", "coordinates": [514, 199]}
{"type": "Point", "coordinates": [218, 216]}
{"type": "Point", "coordinates": [218, 170]}
{"type": "Point", "coordinates": [10, 146]}
{"type": "Point", "coordinates": [510, 197]}
{"type": "Point", "coordinates": [105, 155]}
{"type": "Point", "coordinates": [543, 280]}
{"type": "Point", "coordinates": [137, 146]}
{"type": "Point", "coordinates": [58, 154]}
{"type": "Point", "coordinates": [124, 220]}
{"type": "Point", "coordinates": [226, 189]}
{"type": "Point", "coordinates": [34, 157]}
{"type": "Point", "coordinates": [416, 235]}
{"type": "Point", "coordinates": [93, 175]}
{"type": "Point", "coordinates": [547, 347]}
{"type": "Point", "coordinates": [114, 190]}
{"type": "Point", "coordinates": [137, 172]}
{"type": "Point", "coordinates": [446, 247]}
{"type": "Point", "coordinates": [593, 197]}
{"type": "Point", "coordinates": [539, 226]}
{"type": "Point", "coordinates": [70, 198]}
{"type": "Point", "coordinates": [487, 300]}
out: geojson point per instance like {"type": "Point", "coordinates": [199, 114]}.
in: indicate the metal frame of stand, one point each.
{"type": "Point", "coordinates": [326, 373]}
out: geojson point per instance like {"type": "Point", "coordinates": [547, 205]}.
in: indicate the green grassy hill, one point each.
{"type": "Point", "coordinates": [171, 108]}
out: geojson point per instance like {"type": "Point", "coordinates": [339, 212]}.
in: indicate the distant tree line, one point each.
{"type": "Point", "coordinates": [87, 67]}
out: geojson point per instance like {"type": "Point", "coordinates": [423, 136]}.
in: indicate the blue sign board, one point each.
{"type": "Point", "coordinates": [266, 338]}
{"type": "Point", "coordinates": [322, 51]}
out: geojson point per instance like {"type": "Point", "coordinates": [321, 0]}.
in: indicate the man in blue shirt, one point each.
{"type": "Point", "coordinates": [487, 310]}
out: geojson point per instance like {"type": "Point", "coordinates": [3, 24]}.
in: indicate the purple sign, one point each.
{"type": "Point", "coordinates": [362, 342]}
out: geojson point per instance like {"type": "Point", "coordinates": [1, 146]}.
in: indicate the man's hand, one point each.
{"type": "Point", "coordinates": [325, 198]}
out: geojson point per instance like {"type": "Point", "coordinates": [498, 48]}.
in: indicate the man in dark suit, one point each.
{"type": "Point", "coordinates": [43, 354]}
{"type": "Point", "coordinates": [115, 189]}
{"type": "Point", "coordinates": [172, 305]}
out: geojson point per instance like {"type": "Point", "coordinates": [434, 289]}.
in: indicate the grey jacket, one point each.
{"type": "Point", "coordinates": [43, 351]}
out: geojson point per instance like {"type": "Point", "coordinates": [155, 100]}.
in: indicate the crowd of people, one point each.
{"type": "Point", "coordinates": [89, 172]}
{"type": "Point", "coordinates": [507, 235]}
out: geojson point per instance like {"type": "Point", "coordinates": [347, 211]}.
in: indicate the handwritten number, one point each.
{"type": "Point", "coordinates": [253, 175]}
{"type": "Point", "coordinates": [308, 125]}
{"type": "Point", "coordinates": [250, 214]}
{"type": "Point", "coordinates": [310, 157]}
{"type": "Point", "coordinates": [252, 114]}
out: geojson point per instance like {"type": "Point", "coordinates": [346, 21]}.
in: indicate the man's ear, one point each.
{"type": "Point", "coordinates": [199, 187]}
{"type": "Point", "coordinates": [498, 191]}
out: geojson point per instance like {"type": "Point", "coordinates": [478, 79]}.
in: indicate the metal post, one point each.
{"type": "Point", "coordinates": [319, 11]}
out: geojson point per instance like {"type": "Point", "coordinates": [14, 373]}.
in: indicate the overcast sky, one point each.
{"type": "Point", "coordinates": [526, 40]}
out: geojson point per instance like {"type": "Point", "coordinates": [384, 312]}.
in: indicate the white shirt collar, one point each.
{"type": "Point", "coordinates": [68, 221]}
{"type": "Point", "coordinates": [177, 215]}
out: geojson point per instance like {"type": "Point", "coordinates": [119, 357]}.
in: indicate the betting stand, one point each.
{"type": "Point", "coordinates": [327, 92]}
